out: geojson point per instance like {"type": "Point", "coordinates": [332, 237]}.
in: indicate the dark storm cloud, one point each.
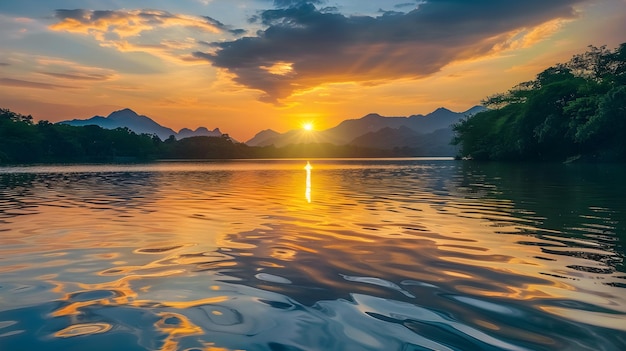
{"type": "Point", "coordinates": [324, 47]}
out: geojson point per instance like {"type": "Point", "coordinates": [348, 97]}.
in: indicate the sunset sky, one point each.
{"type": "Point", "coordinates": [244, 66]}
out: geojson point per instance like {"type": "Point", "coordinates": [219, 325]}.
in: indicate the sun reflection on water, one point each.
{"type": "Point", "coordinates": [307, 192]}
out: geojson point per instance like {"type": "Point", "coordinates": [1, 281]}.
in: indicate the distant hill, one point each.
{"type": "Point", "coordinates": [436, 143]}
{"type": "Point", "coordinates": [140, 124]}
{"type": "Point", "coordinates": [429, 135]}
{"type": "Point", "coordinates": [262, 137]}
{"type": "Point", "coordinates": [200, 131]}
{"type": "Point", "coordinates": [438, 119]}
{"type": "Point", "coordinates": [386, 138]}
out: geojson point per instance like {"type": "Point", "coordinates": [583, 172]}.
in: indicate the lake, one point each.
{"type": "Point", "coordinates": [366, 254]}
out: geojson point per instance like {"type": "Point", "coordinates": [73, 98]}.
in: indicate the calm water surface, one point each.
{"type": "Point", "coordinates": [412, 254]}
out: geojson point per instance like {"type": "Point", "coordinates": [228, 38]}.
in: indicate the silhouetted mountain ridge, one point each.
{"type": "Point", "coordinates": [261, 137]}
{"type": "Point", "coordinates": [425, 135]}
{"type": "Point", "coordinates": [200, 131]}
{"type": "Point", "coordinates": [140, 124]}
{"type": "Point", "coordinates": [429, 135]}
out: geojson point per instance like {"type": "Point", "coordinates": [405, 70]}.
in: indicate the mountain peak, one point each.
{"type": "Point", "coordinates": [200, 131]}
{"type": "Point", "coordinates": [371, 115]}
{"type": "Point", "coordinates": [124, 113]}
{"type": "Point", "coordinates": [474, 110]}
{"type": "Point", "coordinates": [263, 138]}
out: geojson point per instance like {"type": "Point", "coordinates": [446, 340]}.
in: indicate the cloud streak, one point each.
{"type": "Point", "coordinates": [18, 83]}
{"type": "Point", "coordinates": [79, 76]}
{"type": "Point", "coordinates": [323, 46]}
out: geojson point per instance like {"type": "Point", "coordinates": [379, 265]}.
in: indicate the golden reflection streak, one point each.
{"type": "Point", "coordinates": [124, 295]}
{"type": "Point", "coordinates": [307, 192]}
{"type": "Point", "coordinates": [175, 326]}
{"type": "Point", "coordinates": [83, 329]}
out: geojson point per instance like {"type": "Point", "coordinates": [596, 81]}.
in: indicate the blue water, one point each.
{"type": "Point", "coordinates": [403, 254]}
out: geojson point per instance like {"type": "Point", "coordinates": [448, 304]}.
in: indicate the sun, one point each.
{"type": "Point", "coordinates": [307, 126]}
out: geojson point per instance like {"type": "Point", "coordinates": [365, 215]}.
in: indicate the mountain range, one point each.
{"type": "Point", "coordinates": [140, 124]}
{"type": "Point", "coordinates": [425, 135]}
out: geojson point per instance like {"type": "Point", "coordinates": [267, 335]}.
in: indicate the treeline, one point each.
{"type": "Point", "coordinates": [23, 141]}
{"type": "Point", "coordinates": [573, 110]}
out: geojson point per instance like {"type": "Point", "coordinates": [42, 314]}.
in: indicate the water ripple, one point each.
{"type": "Point", "coordinates": [388, 254]}
{"type": "Point", "coordinates": [83, 329]}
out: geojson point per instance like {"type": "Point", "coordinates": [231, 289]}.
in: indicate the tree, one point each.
{"type": "Point", "coordinates": [605, 128]}
{"type": "Point", "coordinates": [570, 109]}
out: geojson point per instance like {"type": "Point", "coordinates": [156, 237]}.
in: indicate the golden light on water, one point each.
{"type": "Point", "coordinates": [307, 191]}
{"type": "Point", "coordinates": [83, 329]}
{"type": "Point", "coordinates": [394, 241]}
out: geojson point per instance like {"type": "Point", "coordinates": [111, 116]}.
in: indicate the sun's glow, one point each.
{"type": "Point", "coordinates": [307, 126]}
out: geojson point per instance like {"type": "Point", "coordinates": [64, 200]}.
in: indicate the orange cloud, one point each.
{"type": "Point", "coordinates": [20, 83]}
{"type": "Point", "coordinates": [127, 23]}
{"type": "Point", "coordinates": [67, 70]}
{"type": "Point", "coordinates": [528, 37]}
{"type": "Point", "coordinates": [136, 30]}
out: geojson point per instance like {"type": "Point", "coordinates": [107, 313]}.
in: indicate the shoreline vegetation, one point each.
{"type": "Point", "coordinates": [574, 111]}
{"type": "Point", "coordinates": [22, 141]}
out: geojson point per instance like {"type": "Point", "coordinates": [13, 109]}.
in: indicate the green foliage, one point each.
{"type": "Point", "coordinates": [576, 109]}
{"type": "Point", "coordinates": [203, 147]}
{"type": "Point", "coordinates": [604, 130]}
{"type": "Point", "coordinates": [7, 115]}
{"type": "Point", "coordinates": [21, 141]}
